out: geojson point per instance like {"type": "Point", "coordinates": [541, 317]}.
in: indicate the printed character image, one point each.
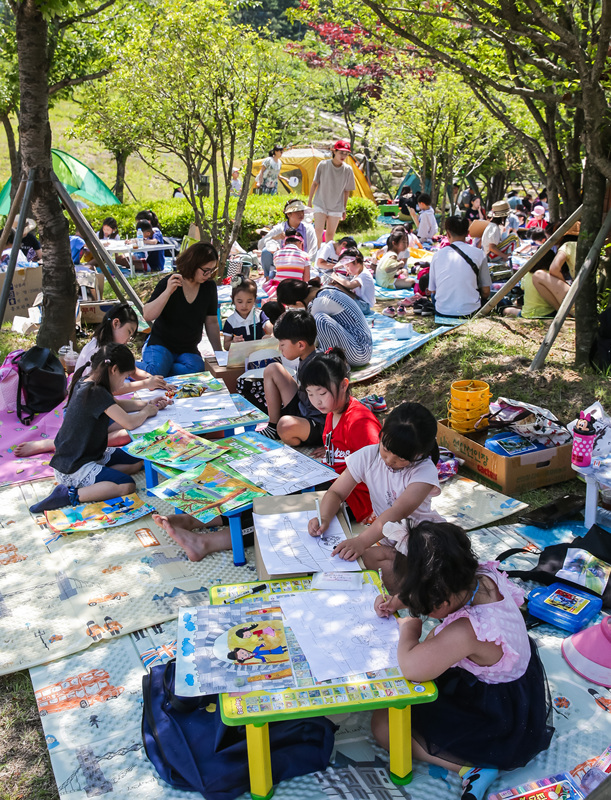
{"type": "Point", "coordinates": [255, 630]}
{"type": "Point", "coordinates": [585, 424]}
{"type": "Point", "coordinates": [268, 639]}
{"type": "Point", "coordinates": [585, 569]}
{"type": "Point", "coordinates": [243, 656]}
{"type": "Point", "coordinates": [112, 626]}
{"type": "Point", "coordinates": [94, 630]}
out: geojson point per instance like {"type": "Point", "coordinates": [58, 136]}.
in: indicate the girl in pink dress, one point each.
{"type": "Point", "coordinates": [493, 706]}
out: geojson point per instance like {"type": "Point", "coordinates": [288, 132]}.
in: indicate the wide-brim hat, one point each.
{"type": "Point", "coordinates": [293, 206]}
{"type": "Point", "coordinates": [501, 208]}
{"type": "Point", "coordinates": [30, 225]}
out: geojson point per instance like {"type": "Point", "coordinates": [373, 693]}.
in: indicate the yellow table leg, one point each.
{"type": "Point", "coordinates": [259, 762]}
{"type": "Point", "coordinates": [400, 732]}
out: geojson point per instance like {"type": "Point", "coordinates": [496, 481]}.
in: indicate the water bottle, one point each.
{"type": "Point", "coordinates": [139, 239]}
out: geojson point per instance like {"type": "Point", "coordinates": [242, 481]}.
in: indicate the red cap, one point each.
{"type": "Point", "coordinates": [342, 144]}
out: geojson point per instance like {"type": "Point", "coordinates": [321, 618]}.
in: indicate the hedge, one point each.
{"type": "Point", "coordinates": [175, 216]}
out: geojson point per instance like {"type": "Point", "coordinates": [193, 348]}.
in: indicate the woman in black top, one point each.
{"type": "Point", "coordinates": [180, 307]}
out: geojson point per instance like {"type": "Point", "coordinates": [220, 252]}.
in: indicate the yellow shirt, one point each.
{"type": "Point", "coordinates": [534, 306]}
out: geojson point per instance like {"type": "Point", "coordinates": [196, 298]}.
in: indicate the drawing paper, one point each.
{"type": "Point", "coordinates": [283, 471]}
{"type": "Point", "coordinates": [340, 633]}
{"type": "Point", "coordinates": [203, 410]}
{"type": "Point", "coordinates": [287, 547]}
{"type": "Point", "coordinates": [179, 448]}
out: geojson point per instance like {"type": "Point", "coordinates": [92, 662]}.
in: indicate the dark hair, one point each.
{"type": "Point", "coordinates": [292, 236]}
{"type": "Point", "coordinates": [395, 237]}
{"type": "Point", "coordinates": [241, 631]}
{"type": "Point", "coordinates": [245, 285]}
{"type": "Point", "coordinates": [291, 291]}
{"type": "Point", "coordinates": [457, 226]}
{"type": "Point", "coordinates": [440, 563]}
{"type": "Point", "coordinates": [472, 200]}
{"type": "Point", "coordinates": [144, 225]}
{"type": "Point", "coordinates": [405, 190]}
{"type": "Point", "coordinates": [103, 334]}
{"type": "Point", "coordinates": [538, 235]}
{"type": "Point", "coordinates": [11, 236]}
{"type": "Point", "coordinates": [348, 241]}
{"type": "Point", "coordinates": [149, 215]}
{"type": "Point", "coordinates": [328, 370]}
{"type": "Point", "coordinates": [352, 252]}
{"type": "Point", "coordinates": [232, 655]}
{"type": "Point", "coordinates": [111, 222]}
{"type": "Point", "coordinates": [410, 432]}
{"type": "Point", "coordinates": [195, 257]}
{"type": "Point", "coordinates": [288, 202]}
{"type": "Point", "coordinates": [273, 310]}
{"type": "Point", "coordinates": [102, 361]}
{"type": "Point", "coordinates": [425, 199]}
{"type": "Point", "coordinates": [275, 149]}
{"type": "Point", "coordinates": [296, 325]}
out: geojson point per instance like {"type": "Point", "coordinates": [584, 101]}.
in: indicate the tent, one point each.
{"type": "Point", "coordinates": [299, 165]}
{"type": "Point", "coordinates": [76, 177]}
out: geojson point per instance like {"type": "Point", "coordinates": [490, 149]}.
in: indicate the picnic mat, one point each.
{"type": "Point", "coordinates": [453, 321]}
{"type": "Point", "coordinates": [95, 745]}
{"type": "Point", "coordinates": [387, 348]}
{"type": "Point", "coordinates": [12, 432]}
{"type": "Point", "coordinates": [392, 294]}
{"type": "Point", "coordinates": [471, 505]}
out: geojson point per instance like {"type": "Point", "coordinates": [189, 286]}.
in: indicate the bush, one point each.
{"type": "Point", "coordinates": [262, 211]}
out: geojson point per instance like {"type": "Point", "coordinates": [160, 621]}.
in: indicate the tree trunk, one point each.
{"type": "Point", "coordinates": [58, 277]}
{"type": "Point", "coordinates": [594, 186]}
{"type": "Point", "coordinates": [121, 159]}
{"type": "Point", "coordinates": [13, 153]}
{"type": "Point", "coordinates": [497, 188]}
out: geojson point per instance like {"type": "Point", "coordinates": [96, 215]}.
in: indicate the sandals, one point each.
{"type": "Point", "coordinates": [389, 311]}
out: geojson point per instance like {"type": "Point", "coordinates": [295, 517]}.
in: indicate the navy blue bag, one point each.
{"type": "Point", "coordinates": [191, 747]}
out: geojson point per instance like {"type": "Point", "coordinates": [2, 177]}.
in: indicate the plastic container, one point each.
{"type": "Point", "coordinates": [469, 402]}
{"type": "Point", "coordinates": [583, 444]}
{"type": "Point", "coordinates": [68, 357]}
{"type": "Point", "coordinates": [472, 391]}
{"type": "Point", "coordinates": [564, 606]}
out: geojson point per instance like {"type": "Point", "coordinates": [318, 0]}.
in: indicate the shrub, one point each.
{"type": "Point", "coordinates": [175, 216]}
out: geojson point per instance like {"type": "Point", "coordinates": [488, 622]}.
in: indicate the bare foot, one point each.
{"type": "Point", "coordinates": [197, 545]}
{"type": "Point", "coordinates": [26, 449]}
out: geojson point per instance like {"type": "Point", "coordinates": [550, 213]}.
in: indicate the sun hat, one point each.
{"type": "Point", "coordinates": [30, 225]}
{"type": "Point", "coordinates": [538, 211]}
{"type": "Point", "coordinates": [294, 205]}
{"type": "Point", "coordinates": [342, 144]}
{"type": "Point", "coordinates": [500, 208]}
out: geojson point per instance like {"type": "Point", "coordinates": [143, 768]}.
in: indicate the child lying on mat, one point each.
{"type": "Point", "coordinates": [86, 469]}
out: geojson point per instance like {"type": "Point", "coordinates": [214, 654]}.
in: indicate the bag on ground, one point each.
{"type": "Point", "coordinates": [42, 383]}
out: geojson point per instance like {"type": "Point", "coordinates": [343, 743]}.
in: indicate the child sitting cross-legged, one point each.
{"type": "Point", "coordinates": [401, 476]}
{"type": "Point", "coordinates": [247, 322]}
{"type": "Point", "coordinates": [493, 707]}
{"type": "Point", "coordinates": [292, 417]}
{"type": "Point", "coordinates": [86, 469]}
{"type": "Point", "coordinates": [390, 271]}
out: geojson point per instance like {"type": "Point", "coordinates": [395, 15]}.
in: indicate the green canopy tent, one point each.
{"type": "Point", "coordinates": [76, 177]}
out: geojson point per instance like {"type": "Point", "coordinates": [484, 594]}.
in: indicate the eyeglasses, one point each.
{"type": "Point", "coordinates": [208, 271]}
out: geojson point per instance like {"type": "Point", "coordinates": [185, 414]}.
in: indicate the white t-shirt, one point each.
{"type": "Point", "coordinates": [454, 281]}
{"type": "Point", "coordinates": [327, 253]}
{"type": "Point", "coordinates": [492, 235]}
{"type": "Point", "coordinates": [367, 289]}
{"type": "Point", "coordinates": [386, 485]}
{"type": "Point", "coordinates": [427, 225]}
{"type": "Point", "coordinates": [333, 182]}
{"type": "Point", "coordinates": [86, 354]}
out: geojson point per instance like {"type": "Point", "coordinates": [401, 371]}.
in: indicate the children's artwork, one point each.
{"type": "Point", "coordinates": [231, 648]}
{"type": "Point", "coordinates": [204, 380]}
{"type": "Point", "coordinates": [283, 471]}
{"type": "Point", "coordinates": [244, 445]}
{"type": "Point", "coordinates": [95, 516]}
{"type": "Point", "coordinates": [207, 493]}
{"type": "Point", "coordinates": [287, 547]}
{"type": "Point", "coordinates": [585, 569]}
{"type": "Point", "coordinates": [179, 448]}
{"type": "Point", "coordinates": [203, 411]}
{"type": "Point", "coordinates": [239, 352]}
{"type": "Point", "coordinates": [471, 505]}
{"type": "Point", "coordinates": [340, 633]}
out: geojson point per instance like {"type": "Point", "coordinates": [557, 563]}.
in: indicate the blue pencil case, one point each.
{"type": "Point", "coordinates": [564, 606]}
{"type": "Point", "coordinates": [507, 443]}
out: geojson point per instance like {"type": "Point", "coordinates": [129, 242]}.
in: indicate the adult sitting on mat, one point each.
{"type": "Point", "coordinates": [339, 320]}
{"type": "Point", "coordinates": [181, 305]}
{"type": "Point", "coordinates": [294, 212]}
{"type": "Point", "coordinates": [553, 286]}
{"type": "Point", "coordinates": [459, 276]}
{"type": "Point", "coordinates": [496, 245]}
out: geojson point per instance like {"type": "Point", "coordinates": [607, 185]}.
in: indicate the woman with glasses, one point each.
{"type": "Point", "coordinates": [181, 306]}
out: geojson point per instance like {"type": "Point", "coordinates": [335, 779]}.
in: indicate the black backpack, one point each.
{"type": "Point", "coordinates": [42, 383]}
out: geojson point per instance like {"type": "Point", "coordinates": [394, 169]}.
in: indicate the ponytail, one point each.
{"type": "Point", "coordinates": [102, 361]}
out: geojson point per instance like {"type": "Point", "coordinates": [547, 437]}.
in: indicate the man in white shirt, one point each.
{"type": "Point", "coordinates": [459, 276]}
{"type": "Point", "coordinates": [426, 222]}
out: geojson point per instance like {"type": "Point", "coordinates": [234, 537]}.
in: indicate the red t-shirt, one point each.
{"type": "Point", "coordinates": [357, 427]}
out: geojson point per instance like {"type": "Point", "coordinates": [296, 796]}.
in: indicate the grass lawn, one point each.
{"type": "Point", "coordinates": [495, 350]}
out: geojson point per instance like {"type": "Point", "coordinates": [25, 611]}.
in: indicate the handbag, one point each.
{"type": "Point", "coordinates": [42, 383]}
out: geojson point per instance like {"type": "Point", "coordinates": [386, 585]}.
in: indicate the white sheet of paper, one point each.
{"type": "Point", "coordinates": [221, 357]}
{"type": "Point", "coordinates": [204, 410]}
{"type": "Point", "coordinates": [287, 547]}
{"type": "Point", "coordinates": [283, 471]}
{"type": "Point", "coordinates": [340, 633]}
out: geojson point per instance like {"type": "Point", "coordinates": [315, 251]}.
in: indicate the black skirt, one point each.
{"type": "Point", "coordinates": [501, 725]}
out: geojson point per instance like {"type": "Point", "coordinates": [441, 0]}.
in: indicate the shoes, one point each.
{"type": "Point", "coordinates": [424, 308]}
{"type": "Point", "coordinates": [389, 311]}
{"type": "Point", "coordinates": [375, 403]}
{"type": "Point", "coordinates": [401, 311]}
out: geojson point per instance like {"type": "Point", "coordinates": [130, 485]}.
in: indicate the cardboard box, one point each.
{"type": "Point", "coordinates": [92, 282]}
{"type": "Point", "coordinates": [511, 474]}
{"type": "Point", "coordinates": [27, 283]}
{"type": "Point", "coordinates": [93, 313]}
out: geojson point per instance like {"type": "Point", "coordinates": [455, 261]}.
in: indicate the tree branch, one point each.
{"type": "Point", "coordinates": [63, 84]}
{"type": "Point", "coordinates": [65, 23]}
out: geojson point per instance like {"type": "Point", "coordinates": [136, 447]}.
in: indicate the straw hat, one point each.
{"type": "Point", "coordinates": [30, 225]}
{"type": "Point", "coordinates": [500, 209]}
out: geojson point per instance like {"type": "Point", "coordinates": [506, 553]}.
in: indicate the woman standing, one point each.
{"type": "Point", "coordinates": [294, 213]}
{"type": "Point", "coordinates": [267, 179]}
{"type": "Point", "coordinates": [181, 305]}
{"type": "Point", "coordinates": [332, 184]}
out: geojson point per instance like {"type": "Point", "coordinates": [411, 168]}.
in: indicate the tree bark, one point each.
{"type": "Point", "coordinates": [121, 159]}
{"type": "Point", "coordinates": [13, 153]}
{"type": "Point", "coordinates": [58, 277]}
{"type": "Point", "coordinates": [594, 185]}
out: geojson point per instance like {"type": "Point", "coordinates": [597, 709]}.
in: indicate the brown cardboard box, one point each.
{"type": "Point", "coordinates": [27, 283]}
{"type": "Point", "coordinates": [93, 313]}
{"type": "Point", "coordinates": [512, 474]}
{"type": "Point", "coordinates": [228, 374]}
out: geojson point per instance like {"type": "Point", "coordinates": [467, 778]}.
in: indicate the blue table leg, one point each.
{"type": "Point", "coordinates": [237, 542]}
{"type": "Point", "coordinates": [151, 476]}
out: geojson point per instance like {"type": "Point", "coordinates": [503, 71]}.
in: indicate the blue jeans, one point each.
{"type": "Point", "coordinates": [267, 262]}
{"type": "Point", "coordinates": [158, 360]}
{"type": "Point", "coordinates": [364, 306]}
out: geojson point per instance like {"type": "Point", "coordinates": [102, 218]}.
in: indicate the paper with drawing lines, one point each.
{"type": "Point", "coordinates": [283, 471]}
{"type": "Point", "coordinates": [203, 410]}
{"type": "Point", "coordinates": [287, 547]}
{"type": "Point", "coordinates": [340, 633]}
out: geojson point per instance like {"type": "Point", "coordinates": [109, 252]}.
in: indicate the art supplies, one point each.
{"type": "Point", "coordinates": [557, 787]}
{"type": "Point", "coordinates": [507, 443]}
{"type": "Point", "coordinates": [244, 445]}
{"type": "Point", "coordinates": [179, 448]}
{"type": "Point", "coordinates": [255, 590]}
{"type": "Point", "coordinates": [231, 648]}
{"type": "Point", "coordinates": [340, 633]}
{"type": "Point", "coordinates": [95, 516]}
{"type": "Point", "coordinates": [287, 547]}
{"type": "Point", "coordinates": [283, 471]}
{"type": "Point", "coordinates": [207, 493]}
{"type": "Point", "coordinates": [566, 607]}
{"type": "Point", "coordinates": [189, 411]}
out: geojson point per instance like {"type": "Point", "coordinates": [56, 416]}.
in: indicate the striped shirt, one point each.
{"type": "Point", "coordinates": [290, 262]}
